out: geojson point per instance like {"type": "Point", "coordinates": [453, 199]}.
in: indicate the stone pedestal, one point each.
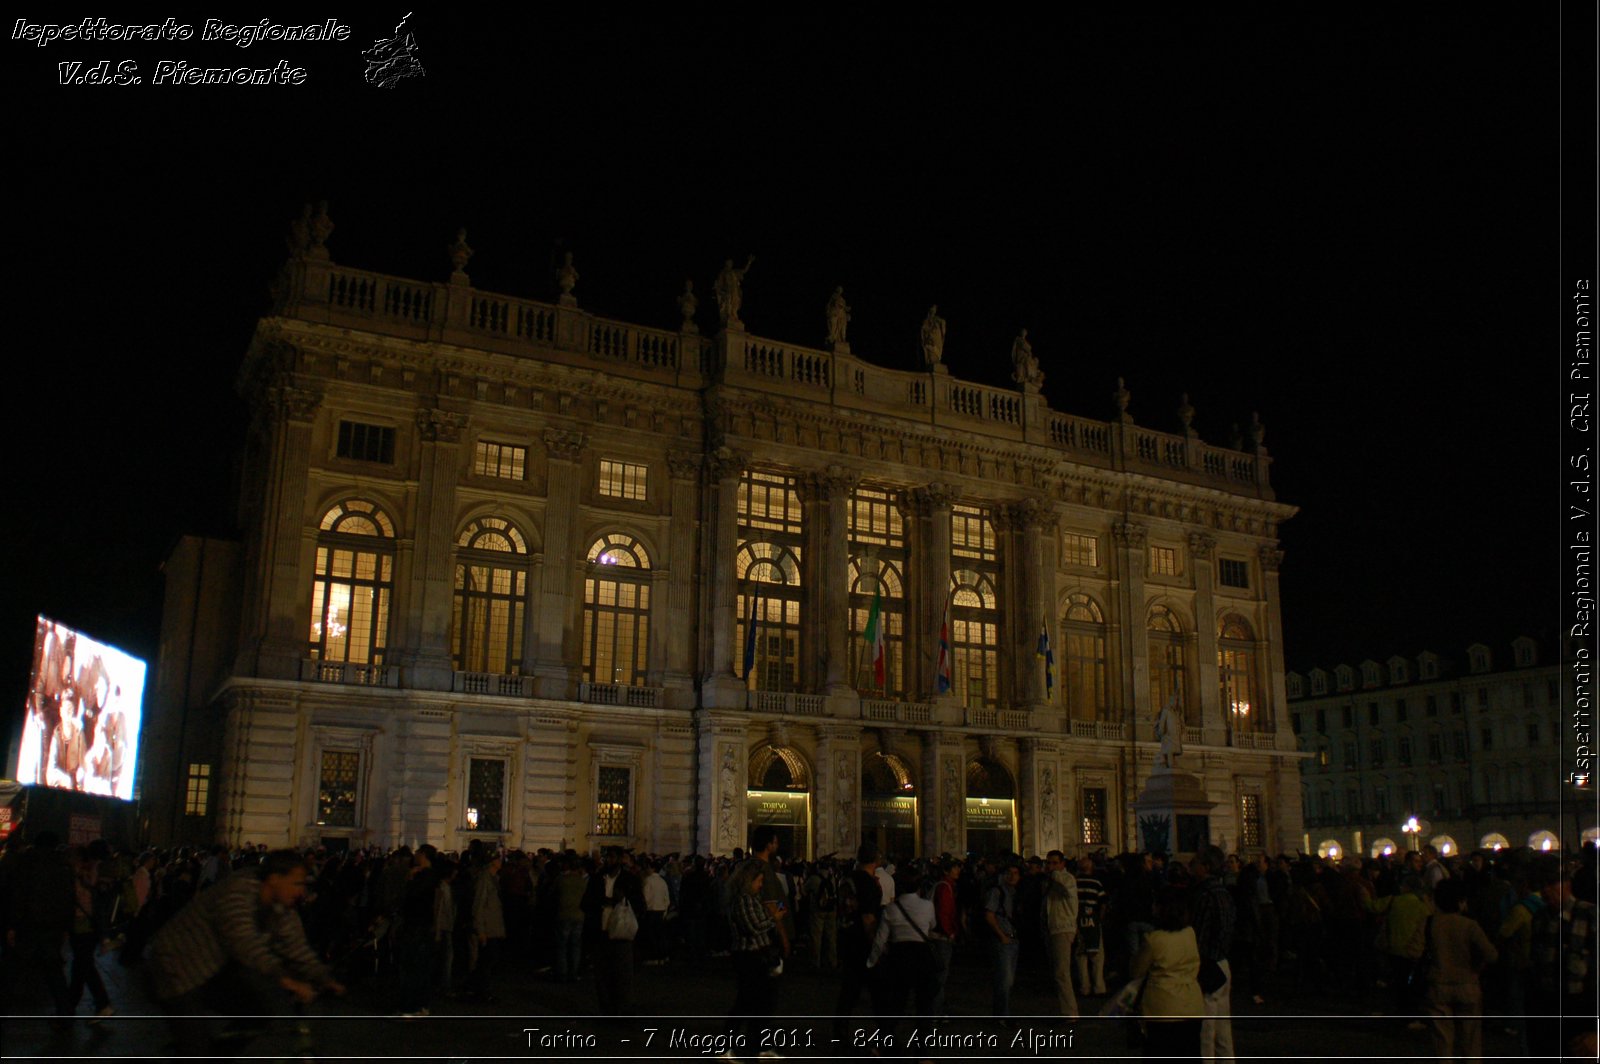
{"type": "Point", "coordinates": [1173, 814]}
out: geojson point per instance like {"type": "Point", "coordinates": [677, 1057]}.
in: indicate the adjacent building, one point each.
{"type": "Point", "coordinates": [1463, 754]}
{"type": "Point", "coordinates": [515, 571]}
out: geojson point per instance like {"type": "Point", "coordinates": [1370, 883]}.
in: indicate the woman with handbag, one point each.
{"type": "Point", "coordinates": [1170, 1001]}
{"type": "Point", "coordinates": [757, 961]}
{"type": "Point", "coordinates": [908, 926]}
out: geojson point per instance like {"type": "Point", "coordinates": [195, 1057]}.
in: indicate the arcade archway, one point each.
{"type": "Point", "coordinates": [779, 795]}
{"type": "Point", "coordinates": [991, 808]}
{"type": "Point", "coordinates": [889, 805]}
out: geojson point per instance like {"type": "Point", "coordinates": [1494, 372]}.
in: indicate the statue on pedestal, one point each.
{"type": "Point", "coordinates": [729, 290]}
{"type": "Point", "coordinates": [838, 315]}
{"type": "Point", "coordinates": [1169, 730]}
{"type": "Point", "coordinates": [1024, 367]}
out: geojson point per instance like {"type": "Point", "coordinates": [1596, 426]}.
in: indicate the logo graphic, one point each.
{"type": "Point", "coordinates": [392, 58]}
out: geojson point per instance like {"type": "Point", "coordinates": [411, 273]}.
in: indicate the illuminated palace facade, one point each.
{"type": "Point", "coordinates": [518, 572]}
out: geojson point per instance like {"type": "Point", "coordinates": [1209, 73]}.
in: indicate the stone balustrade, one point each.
{"type": "Point", "coordinates": [314, 290]}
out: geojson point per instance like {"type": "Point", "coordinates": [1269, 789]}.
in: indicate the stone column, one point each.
{"type": "Point", "coordinates": [836, 802]}
{"type": "Point", "coordinates": [1271, 559]}
{"type": "Point", "coordinates": [1034, 518]}
{"type": "Point", "coordinates": [720, 685]}
{"type": "Point", "coordinates": [554, 668]}
{"type": "Point", "coordinates": [286, 538]}
{"type": "Point", "coordinates": [676, 612]}
{"type": "Point", "coordinates": [722, 749]}
{"type": "Point", "coordinates": [943, 795]}
{"type": "Point", "coordinates": [1039, 812]}
{"type": "Point", "coordinates": [835, 485]}
{"type": "Point", "coordinates": [426, 660]}
{"type": "Point", "coordinates": [1207, 673]}
{"type": "Point", "coordinates": [1134, 662]}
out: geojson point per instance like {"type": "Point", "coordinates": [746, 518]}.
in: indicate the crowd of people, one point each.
{"type": "Point", "coordinates": [1434, 943]}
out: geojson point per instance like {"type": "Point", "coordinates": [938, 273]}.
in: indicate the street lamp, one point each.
{"type": "Point", "coordinates": [1413, 827]}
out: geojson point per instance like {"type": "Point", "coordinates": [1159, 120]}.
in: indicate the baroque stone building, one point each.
{"type": "Point", "coordinates": [516, 571]}
{"type": "Point", "coordinates": [1410, 751]}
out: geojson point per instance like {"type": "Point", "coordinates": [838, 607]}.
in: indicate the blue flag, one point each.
{"type": "Point", "coordinates": [750, 637]}
{"type": "Point", "coordinates": [1043, 651]}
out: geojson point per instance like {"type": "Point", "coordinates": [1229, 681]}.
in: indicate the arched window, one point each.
{"type": "Point", "coordinates": [769, 616]}
{"type": "Point", "coordinates": [491, 588]}
{"type": "Point", "coordinates": [975, 639]}
{"type": "Point", "coordinates": [864, 588]}
{"type": "Point", "coordinates": [1084, 626]}
{"type": "Point", "coordinates": [1167, 672]}
{"type": "Point", "coordinates": [767, 569]}
{"type": "Point", "coordinates": [616, 611]}
{"type": "Point", "coordinates": [1236, 658]}
{"type": "Point", "coordinates": [353, 584]}
{"type": "Point", "coordinates": [1494, 841]}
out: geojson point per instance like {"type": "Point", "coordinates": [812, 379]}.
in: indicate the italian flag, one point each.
{"type": "Point", "coordinates": [875, 635]}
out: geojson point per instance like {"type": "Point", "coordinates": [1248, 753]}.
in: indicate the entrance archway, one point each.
{"type": "Point", "coordinates": [889, 805]}
{"type": "Point", "coordinates": [991, 808]}
{"type": "Point", "coordinates": [779, 795]}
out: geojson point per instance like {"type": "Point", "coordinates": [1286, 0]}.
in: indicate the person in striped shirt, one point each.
{"type": "Point", "coordinates": [238, 949]}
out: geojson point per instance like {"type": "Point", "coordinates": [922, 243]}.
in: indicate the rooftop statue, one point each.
{"type": "Point", "coordinates": [933, 337]}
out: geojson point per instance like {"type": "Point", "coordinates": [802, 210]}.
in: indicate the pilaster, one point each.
{"type": "Point", "coordinates": [287, 540]}
{"type": "Point", "coordinates": [836, 802]}
{"type": "Point", "coordinates": [1134, 661]}
{"type": "Point", "coordinates": [722, 751]}
{"type": "Point", "coordinates": [1201, 548]}
{"type": "Point", "coordinates": [554, 668]}
{"type": "Point", "coordinates": [721, 685]}
{"type": "Point", "coordinates": [426, 661]}
{"type": "Point", "coordinates": [678, 673]}
{"type": "Point", "coordinates": [944, 793]}
{"type": "Point", "coordinates": [1039, 812]}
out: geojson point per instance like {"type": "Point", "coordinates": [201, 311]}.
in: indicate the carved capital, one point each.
{"type": "Point", "coordinates": [1271, 558]}
{"type": "Point", "coordinates": [1031, 514]}
{"type": "Point", "coordinates": [683, 465]}
{"type": "Point", "coordinates": [834, 482]}
{"type": "Point", "coordinates": [931, 497]}
{"type": "Point", "coordinates": [440, 426]}
{"type": "Point", "coordinates": [725, 462]}
{"type": "Point", "coordinates": [295, 404]}
{"type": "Point", "coordinates": [563, 444]}
{"type": "Point", "coordinates": [1201, 544]}
{"type": "Point", "coordinates": [1130, 535]}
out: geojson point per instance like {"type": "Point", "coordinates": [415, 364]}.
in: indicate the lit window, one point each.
{"type": "Point", "coordinates": [504, 460]}
{"type": "Point", "coordinates": [1233, 573]}
{"type": "Point", "coordinates": [336, 788]}
{"type": "Point", "coordinates": [1250, 833]}
{"type": "Point", "coordinates": [1085, 630]}
{"type": "Point", "coordinates": [877, 544]}
{"type": "Point", "coordinates": [613, 800]}
{"type": "Point", "coordinates": [972, 534]}
{"type": "Point", "coordinates": [366, 443]}
{"type": "Point", "coordinates": [194, 803]}
{"type": "Point", "coordinates": [1079, 549]}
{"type": "Point", "coordinates": [490, 597]}
{"type": "Point", "coordinates": [1094, 816]}
{"type": "Point", "coordinates": [486, 794]}
{"type": "Point", "coordinates": [622, 480]}
{"type": "Point", "coordinates": [616, 611]}
{"type": "Point", "coordinates": [1236, 658]}
{"type": "Point", "coordinates": [1163, 561]}
{"type": "Point", "coordinates": [352, 585]}
{"type": "Point", "coordinates": [974, 606]}
{"type": "Point", "coordinates": [1167, 665]}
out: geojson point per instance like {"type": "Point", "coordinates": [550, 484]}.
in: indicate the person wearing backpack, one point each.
{"type": "Point", "coordinates": [860, 901]}
{"type": "Point", "coordinates": [823, 901]}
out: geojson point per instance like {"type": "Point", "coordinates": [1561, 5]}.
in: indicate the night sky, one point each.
{"type": "Point", "coordinates": [1346, 221]}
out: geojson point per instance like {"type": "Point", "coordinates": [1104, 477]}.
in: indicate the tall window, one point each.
{"type": "Point", "coordinates": [1236, 657]}
{"type": "Point", "coordinates": [366, 443]}
{"type": "Point", "coordinates": [613, 800]}
{"type": "Point", "coordinates": [1166, 659]}
{"type": "Point", "coordinates": [486, 794]}
{"type": "Point", "coordinates": [490, 592]}
{"type": "Point", "coordinates": [1164, 561]}
{"type": "Point", "coordinates": [1250, 821]}
{"type": "Point", "coordinates": [199, 790]}
{"type": "Point", "coordinates": [1079, 549]}
{"type": "Point", "coordinates": [767, 568]}
{"type": "Point", "coordinates": [1233, 573]}
{"type": "Point", "coordinates": [974, 607]}
{"type": "Point", "coordinates": [336, 788]}
{"type": "Point", "coordinates": [877, 560]}
{"type": "Point", "coordinates": [616, 611]}
{"type": "Point", "coordinates": [353, 585]}
{"type": "Point", "coordinates": [1084, 627]}
{"type": "Point", "coordinates": [1094, 816]}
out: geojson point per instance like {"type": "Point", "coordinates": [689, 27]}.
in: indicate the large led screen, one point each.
{"type": "Point", "coordinates": [82, 727]}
